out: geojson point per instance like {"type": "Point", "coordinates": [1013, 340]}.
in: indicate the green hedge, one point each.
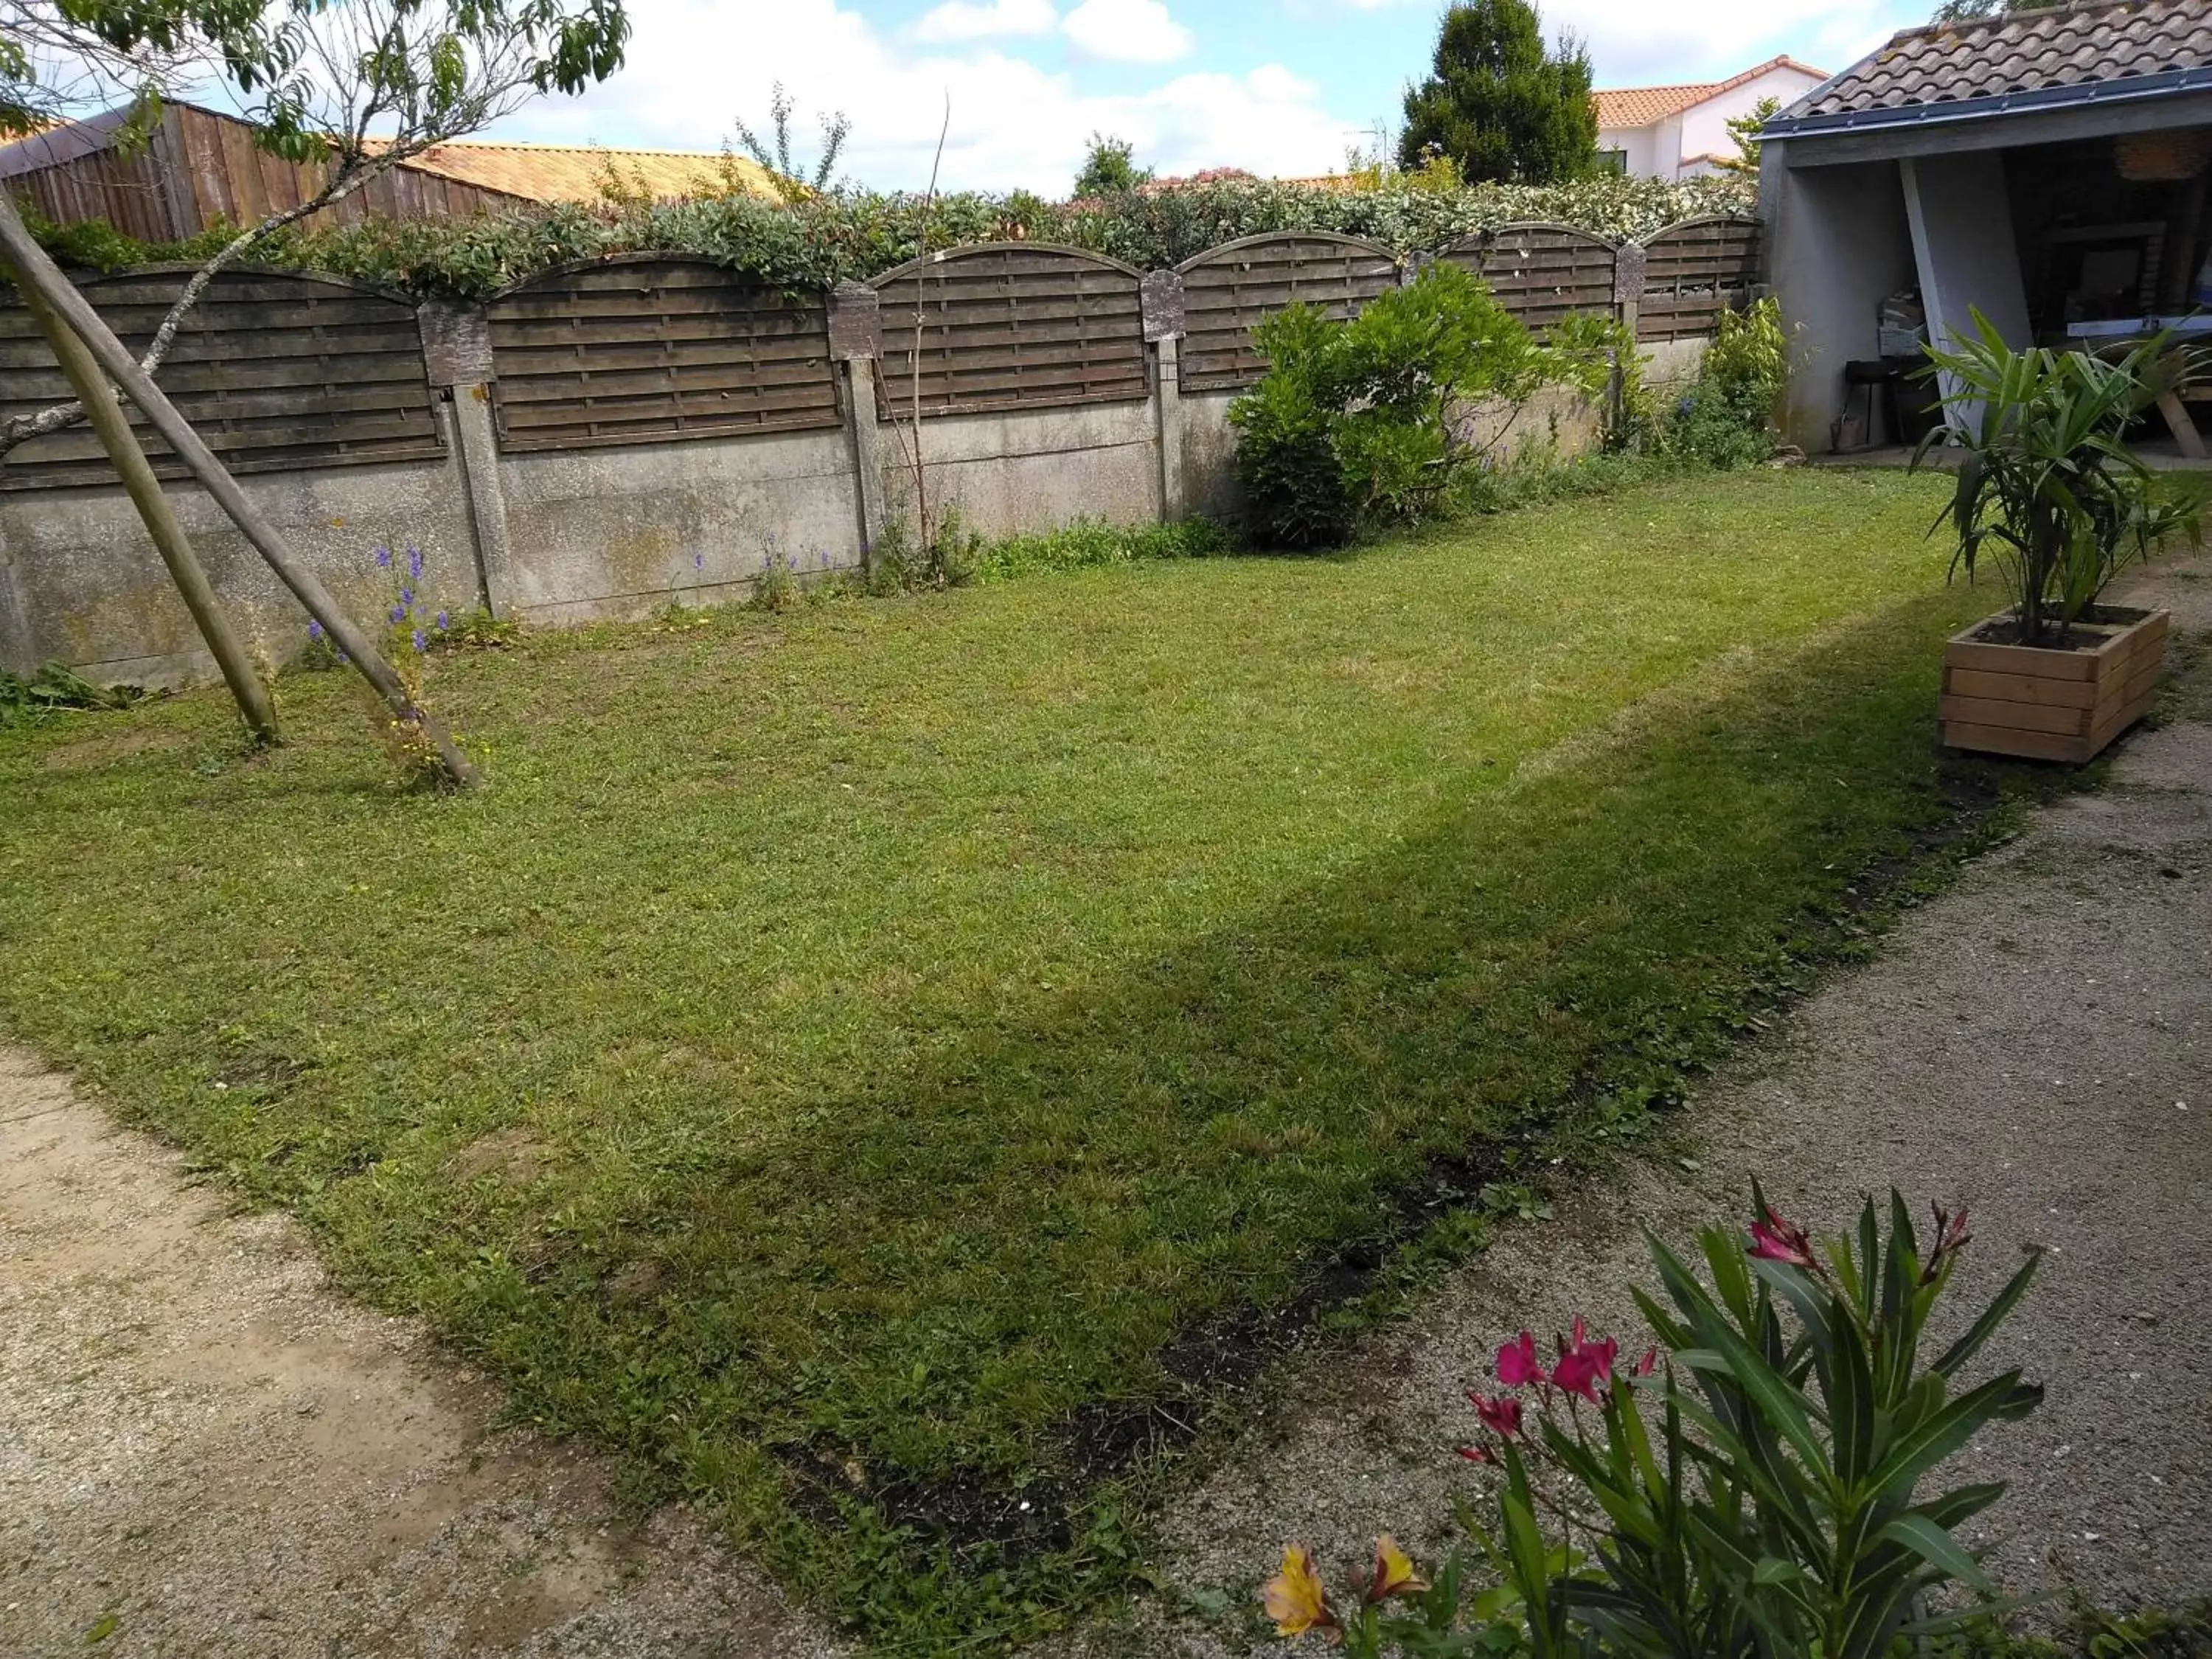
{"type": "Point", "coordinates": [860, 234]}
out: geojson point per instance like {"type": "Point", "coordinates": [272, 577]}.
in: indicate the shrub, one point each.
{"type": "Point", "coordinates": [1088, 544]}
{"type": "Point", "coordinates": [1360, 422]}
{"type": "Point", "coordinates": [1728, 418]}
{"type": "Point", "coordinates": [2048, 485]}
{"type": "Point", "coordinates": [1759, 1494]}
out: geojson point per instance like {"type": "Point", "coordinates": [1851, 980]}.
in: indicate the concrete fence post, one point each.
{"type": "Point", "coordinates": [856, 340]}
{"type": "Point", "coordinates": [457, 352]}
{"type": "Point", "coordinates": [1628, 284]}
{"type": "Point", "coordinates": [1161, 300]}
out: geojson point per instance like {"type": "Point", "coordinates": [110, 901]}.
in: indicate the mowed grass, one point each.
{"type": "Point", "coordinates": [843, 1058]}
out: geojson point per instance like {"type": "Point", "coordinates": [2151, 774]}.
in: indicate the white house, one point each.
{"type": "Point", "coordinates": [1677, 132]}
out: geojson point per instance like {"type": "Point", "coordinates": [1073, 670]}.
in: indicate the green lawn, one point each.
{"type": "Point", "coordinates": [841, 1058]}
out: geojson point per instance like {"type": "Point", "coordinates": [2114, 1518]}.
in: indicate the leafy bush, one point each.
{"type": "Point", "coordinates": [1728, 418]}
{"type": "Point", "coordinates": [2049, 484]}
{"type": "Point", "coordinates": [1759, 1493]}
{"type": "Point", "coordinates": [1360, 422]}
{"type": "Point", "coordinates": [55, 687]}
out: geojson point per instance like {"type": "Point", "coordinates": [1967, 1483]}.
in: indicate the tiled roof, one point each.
{"type": "Point", "coordinates": [2025, 52]}
{"type": "Point", "coordinates": [1639, 106]}
{"type": "Point", "coordinates": [562, 173]}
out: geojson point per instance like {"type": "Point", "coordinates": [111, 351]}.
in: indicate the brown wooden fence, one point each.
{"type": "Point", "coordinates": [1228, 289]}
{"type": "Point", "coordinates": [645, 349]}
{"type": "Point", "coordinates": [1692, 272]}
{"type": "Point", "coordinates": [276, 370]}
{"type": "Point", "coordinates": [1009, 325]}
{"type": "Point", "coordinates": [1540, 273]}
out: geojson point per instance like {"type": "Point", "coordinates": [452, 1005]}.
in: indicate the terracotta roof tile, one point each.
{"type": "Point", "coordinates": [2075, 45]}
{"type": "Point", "coordinates": [1639, 106]}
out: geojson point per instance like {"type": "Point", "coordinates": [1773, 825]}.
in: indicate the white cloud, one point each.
{"type": "Point", "coordinates": [1634, 42]}
{"type": "Point", "coordinates": [962, 20]}
{"type": "Point", "coordinates": [696, 65]}
{"type": "Point", "coordinates": [1128, 31]}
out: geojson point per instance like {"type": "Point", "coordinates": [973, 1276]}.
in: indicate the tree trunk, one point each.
{"type": "Point", "coordinates": [106, 418]}
{"type": "Point", "coordinates": [39, 272]}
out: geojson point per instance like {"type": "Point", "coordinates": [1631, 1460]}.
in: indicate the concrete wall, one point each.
{"type": "Point", "coordinates": [80, 583]}
{"type": "Point", "coordinates": [630, 529]}
{"type": "Point", "coordinates": [1031, 470]}
{"type": "Point", "coordinates": [1838, 245]}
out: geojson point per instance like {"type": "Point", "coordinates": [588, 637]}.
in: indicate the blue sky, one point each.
{"type": "Point", "coordinates": [1280, 87]}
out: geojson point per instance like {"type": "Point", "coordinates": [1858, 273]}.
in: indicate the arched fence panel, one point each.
{"type": "Point", "coordinates": [1009, 325]}
{"type": "Point", "coordinates": [645, 349]}
{"type": "Point", "coordinates": [276, 370]}
{"type": "Point", "coordinates": [1542, 272]}
{"type": "Point", "coordinates": [1228, 289]}
{"type": "Point", "coordinates": [1692, 272]}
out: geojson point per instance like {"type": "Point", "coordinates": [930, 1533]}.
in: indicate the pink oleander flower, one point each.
{"type": "Point", "coordinates": [1774, 1239]}
{"type": "Point", "coordinates": [1648, 1362]}
{"type": "Point", "coordinates": [1580, 1372]}
{"type": "Point", "coordinates": [1951, 1238]}
{"type": "Point", "coordinates": [1517, 1365]}
{"type": "Point", "coordinates": [1478, 1454]}
{"type": "Point", "coordinates": [1500, 1416]}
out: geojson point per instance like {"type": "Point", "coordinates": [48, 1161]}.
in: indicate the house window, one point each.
{"type": "Point", "coordinates": [1612, 161]}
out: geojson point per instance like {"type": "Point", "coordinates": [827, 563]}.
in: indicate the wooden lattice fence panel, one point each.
{"type": "Point", "coordinates": [1541, 272]}
{"type": "Point", "coordinates": [1010, 325]}
{"type": "Point", "coordinates": [1692, 272]}
{"type": "Point", "coordinates": [276, 370]}
{"type": "Point", "coordinates": [641, 348]}
{"type": "Point", "coordinates": [1228, 289]}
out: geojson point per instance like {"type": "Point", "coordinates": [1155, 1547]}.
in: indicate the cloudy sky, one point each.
{"type": "Point", "coordinates": [1280, 87]}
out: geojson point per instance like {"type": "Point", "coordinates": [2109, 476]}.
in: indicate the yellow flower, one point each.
{"type": "Point", "coordinates": [1294, 1598]}
{"type": "Point", "coordinates": [1393, 1572]}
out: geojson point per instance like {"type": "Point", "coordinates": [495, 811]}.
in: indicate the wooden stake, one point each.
{"type": "Point", "coordinates": [38, 274]}
{"type": "Point", "coordinates": [105, 416]}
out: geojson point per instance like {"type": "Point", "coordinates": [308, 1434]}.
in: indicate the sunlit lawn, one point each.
{"type": "Point", "coordinates": [839, 1054]}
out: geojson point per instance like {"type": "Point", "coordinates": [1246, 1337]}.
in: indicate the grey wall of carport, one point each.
{"type": "Point", "coordinates": [615, 531]}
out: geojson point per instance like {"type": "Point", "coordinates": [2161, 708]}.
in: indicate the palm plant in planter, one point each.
{"type": "Point", "coordinates": [2050, 493]}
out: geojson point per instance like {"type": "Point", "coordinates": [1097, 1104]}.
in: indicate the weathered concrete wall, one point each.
{"type": "Point", "coordinates": [86, 588]}
{"type": "Point", "coordinates": [627, 530]}
{"type": "Point", "coordinates": [1838, 245]}
{"type": "Point", "coordinates": [1209, 457]}
{"type": "Point", "coordinates": [1034, 470]}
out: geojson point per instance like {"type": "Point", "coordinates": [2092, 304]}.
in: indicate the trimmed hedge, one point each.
{"type": "Point", "coordinates": [859, 234]}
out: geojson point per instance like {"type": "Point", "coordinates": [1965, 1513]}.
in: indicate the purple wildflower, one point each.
{"type": "Point", "coordinates": [384, 558]}
{"type": "Point", "coordinates": [698, 560]}
{"type": "Point", "coordinates": [314, 628]}
{"type": "Point", "coordinates": [415, 562]}
{"type": "Point", "coordinates": [443, 625]}
{"type": "Point", "coordinates": [398, 614]}
{"type": "Point", "coordinates": [421, 644]}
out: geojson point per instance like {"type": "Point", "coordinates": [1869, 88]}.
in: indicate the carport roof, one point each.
{"type": "Point", "coordinates": [2109, 51]}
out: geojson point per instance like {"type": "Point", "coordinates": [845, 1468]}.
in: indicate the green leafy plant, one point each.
{"type": "Point", "coordinates": [2047, 485]}
{"type": "Point", "coordinates": [54, 688]}
{"type": "Point", "coordinates": [1728, 418]}
{"type": "Point", "coordinates": [1362, 422]}
{"type": "Point", "coordinates": [1771, 1490]}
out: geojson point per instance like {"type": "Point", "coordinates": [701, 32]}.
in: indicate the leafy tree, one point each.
{"type": "Point", "coordinates": [1500, 104]}
{"type": "Point", "coordinates": [357, 85]}
{"type": "Point", "coordinates": [793, 180]}
{"type": "Point", "coordinates": [1744, 130]}
{"type": "Point", "coordinates": [1972, 11]}
{"type": "Point", "coordinates": [1110, 168]}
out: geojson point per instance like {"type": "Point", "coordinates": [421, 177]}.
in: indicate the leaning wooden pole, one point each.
{"type": "Point", "coordinates": [105, 416]}
{"type": "Point", "coordinates": [39, 274]}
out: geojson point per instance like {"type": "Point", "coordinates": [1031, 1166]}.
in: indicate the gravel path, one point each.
{"type": "Point", "coordinates": [202, 1451]}
{"type": "Point", "coordinates": [2036, 1042]}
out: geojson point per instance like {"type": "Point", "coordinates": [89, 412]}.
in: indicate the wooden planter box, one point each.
{"type": "Point", "coordinates": [2052, 705]}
